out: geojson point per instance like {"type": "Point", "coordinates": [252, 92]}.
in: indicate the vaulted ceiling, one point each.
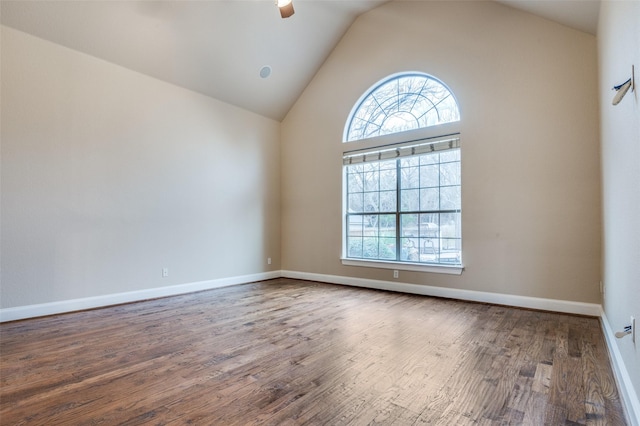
{"type": "Point", "coordinates": [218, 47]}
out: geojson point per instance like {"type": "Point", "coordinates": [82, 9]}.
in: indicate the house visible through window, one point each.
{"type": "Point", "coordinates": [402, 201]}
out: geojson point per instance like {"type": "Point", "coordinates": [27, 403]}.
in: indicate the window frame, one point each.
{"type": "Point", "coordinates": [398, 212]}
{"type": "Point", "coordinates": [438, 131]}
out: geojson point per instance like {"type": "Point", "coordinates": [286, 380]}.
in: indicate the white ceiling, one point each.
{"type": "Point", "coordinates": [217, 47]}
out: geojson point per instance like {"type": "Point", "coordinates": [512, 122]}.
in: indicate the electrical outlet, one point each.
{"type": "Point", "coordinates": [633, 329]}
{"type": "Point", "coordinates": [165, 272]}
{"type": "Point", "coordinates": [601, 288]}
{"type": "Point", "coordinates": [395, 273]}
{"type": "Point", "coordinates": [268, 261]}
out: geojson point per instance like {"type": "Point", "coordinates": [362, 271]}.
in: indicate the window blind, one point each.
{"type": "Point", "coordinates": [422, 146]}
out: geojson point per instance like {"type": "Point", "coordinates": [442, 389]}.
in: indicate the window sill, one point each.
{"type": "Point", "coordinates": [437, 269]}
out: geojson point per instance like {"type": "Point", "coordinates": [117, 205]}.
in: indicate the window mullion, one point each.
{"type": "Point", "coordinates": [439, 235]}
{"type": "Point", "coordinates": [398, 204]}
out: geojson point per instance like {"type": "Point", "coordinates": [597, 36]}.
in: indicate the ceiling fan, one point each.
{"type": "Point", "coordinates": [286, 8]}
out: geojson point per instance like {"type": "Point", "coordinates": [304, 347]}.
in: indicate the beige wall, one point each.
{"type": "Point", "coordinates": [527, 90]}
{"type": "Point", "coordinates": [109, 175]}
{"type": "Point", "coordinates": [619, 47]}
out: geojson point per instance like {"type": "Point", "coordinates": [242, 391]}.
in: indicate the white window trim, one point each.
{"type": "Point", "coordinates": [405, 266]}
{"type": "Point", "coordinates": [419, 134]}
{"type": "Point", "coordinates": [437, 131]}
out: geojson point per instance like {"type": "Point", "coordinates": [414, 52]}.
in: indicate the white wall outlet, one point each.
{"type": "Point", "coordinates": [633, 329]}
{"type": "Point", "coordinates": [165, 272]}
{"type": "Point", "coordinates": [395, 273]}
{"type": "Point", "coordinates": [268, 261]}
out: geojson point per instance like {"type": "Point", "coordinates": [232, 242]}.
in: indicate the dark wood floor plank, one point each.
{"type": "Point", "coordinates": [290, 352]}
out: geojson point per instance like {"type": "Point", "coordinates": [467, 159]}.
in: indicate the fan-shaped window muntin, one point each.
{"type": "Point", "coordinates": [402, 102]}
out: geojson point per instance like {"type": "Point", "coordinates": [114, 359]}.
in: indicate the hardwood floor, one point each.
{"type": "Point", "coordinates": [288, 352]}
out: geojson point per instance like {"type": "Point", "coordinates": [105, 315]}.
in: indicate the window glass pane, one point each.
{"type": "Point", "coordinates": [450, 233]}
{"type": "Point", "coordinates": [371, 130]}
{"type": "Point", "coordinates": [429, 176]}
{"type": "Point", "coordinates": [354, 225]}
{"type": "Point", "coordinates": [429, 159]}
{"type": "Point", "coordinates": [372, 201]}
{"type": "Point", "coordinates": [371, 181]}
{"type": "Point", "coordinates": [389, 105]}
{"type": "Point", "coordinates": [451, 241]}
{"type": "Point", "coordinates": [409, 241]}
{"type": "Point", "coordinates": [450, 198]}
{"type": "Point", "coordinates": [448, 110]}
{"type": "Point", "coordinates": [354, 247]}
{"type": "Point", "coordinates": [387, 233]}
{"type": "Point", "coordinates": [410, 199]}
{"type": "Point", "coordinates": [451, 251]}
{"type": "Point", "coordinates": [429, 199]}
{"type": "Point", "coordinates": [450, 245]}
{"type": "Point", "coordinates": [409, 84]}
{"type": "Point", "coordinates": [370, 247]}
{"type": "Point", "coordinates": [400, 121]}
{"type": "Point", "coordinates": [430, 118]}
{"type": "Point", "coordinates": [453, 155]}
{"type": "Point", "coordinates": [435, 92]}
{"type": "Point", "coordinates": [355, 203]}
{"type": "Point", "coordinates": [450, 174]}
{"type": "Point", "coordinates": [388, 164]}
{"type": "Point", "coordinates": [410, 177]}
{"type": "Point", "coordinates": [408, 102]}
{"type": "Point", "coordinates": [354, 182]}
{"type": "Point", "coordinates": [388, 179]}
{"type": "Point", "coordinates": [429, 250]}
{"type": "Point", "coordinates": [355, 168]}
{"type": "Point", "coordinates": [429, 225]}
{"type": "Point", "coordinates": [370, 223]}
{"type": "Point", "coordinates": [388, 248]}
{"type": "Point", "coordinates": [410, 251]}
{"type": "Point", "coordinates": [386, 90]}
{"type": "Point", "coordinates": [450, 224]}
{"type": "Point", "coordinates": [388, 201]}
{"type": "Point", "coordinates": [387, 225]}
{"type": "Point", "coordinates": [367, 107]}
{"type": "Point", "coordinates": [354, 235]}
{"type": "Point", "coordinates": [409, 162]}
{"type": "Point", "coordinates": [423, 106]}
{"type": "Point", "coordinates": [409, 225]}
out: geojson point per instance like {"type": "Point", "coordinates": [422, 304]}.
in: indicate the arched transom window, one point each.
{"type": "Point", "coordinates": [402, 102]}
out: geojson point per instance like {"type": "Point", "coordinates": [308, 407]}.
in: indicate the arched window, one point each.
{"type": "Point", "coordinates": [402, 201]}
{"type": "Point", "coordinates": [401, 102]}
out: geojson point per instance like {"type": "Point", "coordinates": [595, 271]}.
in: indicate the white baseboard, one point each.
{"type": "Point", "coordinates": [628, 393]}
{"type": "Point", "coordinates": [64, 306]}
{"type": "Point", "coordinates": [554, 305]}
